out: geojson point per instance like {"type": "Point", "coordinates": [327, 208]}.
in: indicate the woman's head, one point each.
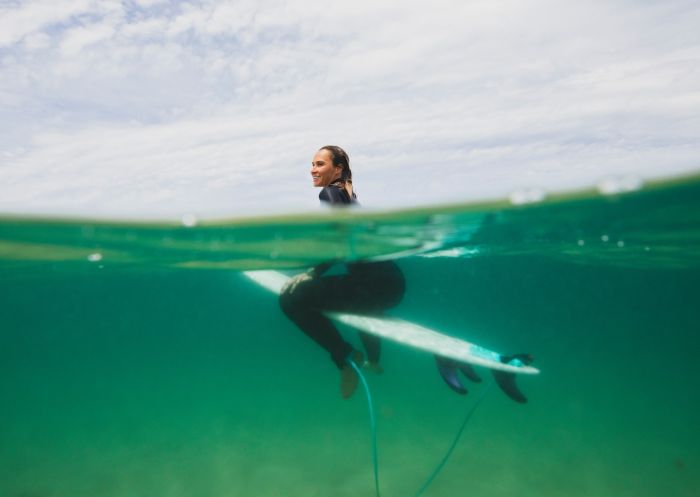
{"type": "Point", "coordinates": [330, 163]}
{"type": "Point", "coordinates": [340, 159]}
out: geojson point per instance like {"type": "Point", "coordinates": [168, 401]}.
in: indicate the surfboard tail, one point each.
{"type": "Point", "coordinates": [449, 368]}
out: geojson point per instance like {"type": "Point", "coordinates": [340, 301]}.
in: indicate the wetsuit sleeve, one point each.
{"type": "Point", "coordinates": [333, 196]}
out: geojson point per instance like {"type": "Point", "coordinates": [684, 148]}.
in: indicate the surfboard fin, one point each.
{"type": "Point", "coordinates": [506, 381]}
{"type": "Point", "coordinates": [468, 371]}
{"type": "Point", "coordinates": [448, 370]}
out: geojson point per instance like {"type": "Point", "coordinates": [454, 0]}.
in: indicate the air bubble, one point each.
{"type": "Point", "coordinates": [94, 257]}
{"type": "Point", "coordinates": [526, 196]}
{"type": "Point", "coordinates": [605, 238]}
{"type": "Point", "coordinates": [189, 220]}
{"type": "Point", "coordinates": [581, 243]}
{"type": "Point", "coordinates": [620, 244]}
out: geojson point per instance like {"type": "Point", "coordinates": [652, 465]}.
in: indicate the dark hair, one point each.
{"type": "Point", "coordinates": [340, 158]}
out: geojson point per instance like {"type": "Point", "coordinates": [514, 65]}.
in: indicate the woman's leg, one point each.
{"type": "Point", "coordinates": [372, 345]}
{"type": "Point", "coordinates": [302, 307]}
{"type": "Point", "coordinates": [368, 288]}
{"type": "Point", "coordinates": [381, 286]}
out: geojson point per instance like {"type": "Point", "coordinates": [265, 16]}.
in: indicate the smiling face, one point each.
{"type": "Point", "coordinates": [323, 172]}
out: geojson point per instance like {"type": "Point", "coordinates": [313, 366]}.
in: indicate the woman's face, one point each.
{"type": "Point", "coordinates": [323, 172]}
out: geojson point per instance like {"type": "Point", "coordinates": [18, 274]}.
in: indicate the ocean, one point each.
{"type": "Point", "coordinates": [136, 360]}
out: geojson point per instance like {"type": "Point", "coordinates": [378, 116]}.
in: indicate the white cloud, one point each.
{"type": "Point", "coordinates": [32, 16]}
{"type": "Point", "coordinates": [146, 28]}
{"type": "Point", "coordinates": [78, 38]}
{"type": "Point", "coordinates": [230, 17]}
{"type": "Point", "coordinates": [150, 3]}
{"type": "Point", "coordinates": [217, 106]}
{"type": "Point", "coordinates": [37, 41]}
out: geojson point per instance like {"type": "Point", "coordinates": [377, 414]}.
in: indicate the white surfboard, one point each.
{"type": "Point", "coordinates": [408, 333]}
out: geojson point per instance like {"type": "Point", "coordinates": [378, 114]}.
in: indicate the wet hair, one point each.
{"type": "Point", "coordinates": [340, 158]}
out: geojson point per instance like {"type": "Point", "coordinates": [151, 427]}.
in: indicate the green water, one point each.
{"type": "Point", "coordinates": [136, 361]}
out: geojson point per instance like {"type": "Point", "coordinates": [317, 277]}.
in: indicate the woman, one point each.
{"type": "Point", "coordinates": [365, 288]}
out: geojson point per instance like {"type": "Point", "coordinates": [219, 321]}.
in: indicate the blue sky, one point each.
{"type": "Point", "coordinates": [154, 108]}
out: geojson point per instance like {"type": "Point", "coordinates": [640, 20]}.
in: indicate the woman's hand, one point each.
{"type": "Point", "coordinates": [291, 285]}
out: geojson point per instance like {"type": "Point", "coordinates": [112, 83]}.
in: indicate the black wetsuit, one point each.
{"type": "Point", "coordinates": [367, 288]}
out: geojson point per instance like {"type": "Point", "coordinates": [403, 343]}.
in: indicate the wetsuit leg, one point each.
{"type": "Point", "coordinates": [367, 289]}
{"type": "Point", "coordinates": [372, 345]}
{"type": "Point", "coordinates": [381, 286]}
{"type": "Point", "coordinates": [299, 307]}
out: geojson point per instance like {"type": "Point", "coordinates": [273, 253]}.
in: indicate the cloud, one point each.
{"type": "Point", "coordinates": [160, 108]}
{"type": "Point", "coordinates": [31, 17]}
{"type": "Point", "coordinates": [78, 38]}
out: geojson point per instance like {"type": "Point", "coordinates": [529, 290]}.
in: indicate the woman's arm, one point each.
{"type": "Point", "coordinates": [314, 272]}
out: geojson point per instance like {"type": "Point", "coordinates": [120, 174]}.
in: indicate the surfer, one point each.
{"type": "Point", "coordinates": [359, 287]}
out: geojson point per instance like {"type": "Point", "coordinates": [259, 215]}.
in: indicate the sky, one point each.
{"type": "Point", "coordinates": [160, 109]}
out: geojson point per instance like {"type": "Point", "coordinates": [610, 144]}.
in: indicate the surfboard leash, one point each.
{"type": "Point", "coordinates": [372, 425]}
{"type": "Point", "coordinates": [373, 431]}
{"type": "Point", "coordinates": [442, 463]}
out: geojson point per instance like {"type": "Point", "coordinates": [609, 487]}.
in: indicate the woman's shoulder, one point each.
{"type": "Point", "coordinates": [335, 194]}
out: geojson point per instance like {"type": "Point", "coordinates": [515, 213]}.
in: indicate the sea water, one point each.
{"type": "Point", "coordinates": [136, 360]}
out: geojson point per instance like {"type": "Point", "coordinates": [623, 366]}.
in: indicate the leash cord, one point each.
{"type": "Point", "coordinates": [447, 455]}
{"type": "Point", "coordinates": [373, 430]}
{"type": "Point", "coordinates": [372, 425]}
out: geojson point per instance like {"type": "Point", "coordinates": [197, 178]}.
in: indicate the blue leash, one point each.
{"type": "Point", "coordinates": [372, 425]}
{"type": "Point", "coordinates": [442, 463]}
{"type": "Point", "coordinates": [373, 429]}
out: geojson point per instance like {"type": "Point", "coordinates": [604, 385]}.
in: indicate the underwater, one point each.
{"type": "Point", "coordinates": [137, 360]}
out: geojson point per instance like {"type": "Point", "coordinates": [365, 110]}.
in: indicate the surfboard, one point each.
{"type": "Point", "coordinates": [409, 333]}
